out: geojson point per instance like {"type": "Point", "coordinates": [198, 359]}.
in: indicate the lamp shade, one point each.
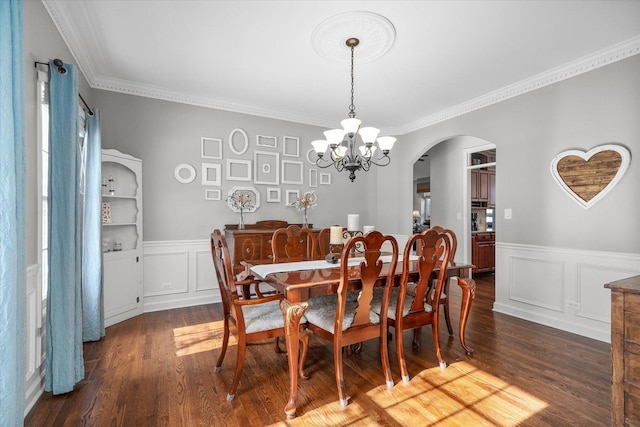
{"type": "Point", "coordinates": [334, 136]}
{"type": "Point", "coordinates": [350, 125]}
{"type": "Point", "coordinates": [320, 145]}
{"type": "Point", "coordinates": [386, 142]}
{"type": "Point", "coordinates": [340, 151]}
{"type": "Point", "coordinates": [367, 151]}
{"type": "Point", "coordinates": [369, 134]}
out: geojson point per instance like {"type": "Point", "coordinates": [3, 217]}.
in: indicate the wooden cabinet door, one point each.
{"type": "Point", "coordinates": [483, 185]}
{"type": "Point", "coordinates": [492, 188]}
{"type": "Point", "coordinates": [474, 184]}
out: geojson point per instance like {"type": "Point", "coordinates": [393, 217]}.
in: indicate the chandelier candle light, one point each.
{"type": "Point", "coordinates": [342, 142]}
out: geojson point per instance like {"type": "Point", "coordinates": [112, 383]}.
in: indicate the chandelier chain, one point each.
{"type": "Point", "coordinates": [352, 107]}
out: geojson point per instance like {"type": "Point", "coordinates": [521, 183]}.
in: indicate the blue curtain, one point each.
{"type": "Point", "coordinates": [64, 362]}
{"type": "Point", "coordinates": [92, 292]}
{"type": "Point", "coordinates": [12, 224]}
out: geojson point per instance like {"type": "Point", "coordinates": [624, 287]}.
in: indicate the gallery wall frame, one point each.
{"type": "Point", "coordinates": [253, 193]}
{"type": "Point", "coordinates": [291, 196]}
{"type": "Point", "coordinates": [325, 179]}
{"type": "Point", "coordinates": [238, 170]}
{"type": "Point", "coordinates": [292, 172]}
{"type": "Point", "coordinates": [211, 148]}
{"type": "Point", "coordinates": [313, 177]}
{"type": "Point", "coordinates": [212, 194]}
{"type": "Point", "coordinates": [266, 141]}
{"type": "Point", "coordinates": [184, 173]}
{"type": "Point", "coordinates": [311, 156]}
{"type": "Point", "coordinates": [238, 141]}
{"type": "Point", "coordinates": [266, 166]}
{"type": "Point", "coordinates": [273, 194]}
{"type": "Point", "coordinates": [212, 174]}
{"type": "Point", "coordinates": [291, 146]}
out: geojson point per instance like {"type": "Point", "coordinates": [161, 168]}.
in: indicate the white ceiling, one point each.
{"type": "Point", "coordinates": [257, 57]}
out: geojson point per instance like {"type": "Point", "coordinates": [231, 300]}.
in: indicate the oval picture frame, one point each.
{"type": "Point", "coordinates": [232, 146]}
{"type": "Point", "coordinates": [188, 179]}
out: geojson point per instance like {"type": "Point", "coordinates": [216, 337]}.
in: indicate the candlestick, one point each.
{"type": "Point", "coordinates": [353, 222]}
{"type": "Point", "coordinates": [336, 235]}
{"type": "Point", "coordinates": [367, 228]}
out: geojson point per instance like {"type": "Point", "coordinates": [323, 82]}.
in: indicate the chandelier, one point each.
{"type": "Point", "coordinates": [343, 153]}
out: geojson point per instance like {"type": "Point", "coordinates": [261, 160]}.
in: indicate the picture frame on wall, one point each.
{"type": "Point", "coordinates": [211, 148]}
{"type": "Point", "coordinates": [291, 146]}
{"type": "Point", "coordinates": [212, 194]}
{"type": "Point", "coordinates": [266, 141]}
{"type": "Point", "coordinates": [313, 178]}
{"type": "Point", "coordinates": [266, 167]}
{"type": "Point", "coordinates": [291, 196]}
{"type": "Point", "coordinates": [292, 172]}
{"type": "Point", "coordinates": [325, 179]}
{"type": "Point", "coordinates": [184, 173]}
{"type": "Point", "coordinates": [238, 141]}
{"type": "Point", "coordinates": [273, 195]}
{"type": "Point", "coordinates": [212, 174]}
{"type": "Point", "coordinates": [253, 193]}
{"type": "Point", "coordinates": [312, 156]}
{"type": "Point", "coordinates": [238, 170]}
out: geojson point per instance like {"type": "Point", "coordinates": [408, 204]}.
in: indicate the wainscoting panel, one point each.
{"type": "Point", "coordinates": [178, 274]}
{"type": "Point", "coordinates": [34, 336]}
{"type": "Point", "coordinates": [561, 288]}
{"type": "Point", "coordinates": [536, 282]}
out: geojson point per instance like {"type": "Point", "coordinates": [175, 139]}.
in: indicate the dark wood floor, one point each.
{"type": "Point", "coordinates": [157, 370]}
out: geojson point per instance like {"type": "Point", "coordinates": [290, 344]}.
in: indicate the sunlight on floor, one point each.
{"type": "Point", "coordinates": [459, 395]}
{"type": "Point", "coordinates": [198, 338]}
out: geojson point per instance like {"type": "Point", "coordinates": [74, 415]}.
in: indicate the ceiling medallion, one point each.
{"type": "Point", "coordinates": [375, 32]}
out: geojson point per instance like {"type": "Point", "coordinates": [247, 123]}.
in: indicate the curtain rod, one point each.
{"type": "Point", "coordinates": [60, 67]}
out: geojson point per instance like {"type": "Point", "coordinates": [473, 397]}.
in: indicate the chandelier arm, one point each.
{"type": "Point", "coordinates": [386, 156]}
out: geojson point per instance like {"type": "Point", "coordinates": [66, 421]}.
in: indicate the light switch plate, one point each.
{"type": "Point", "coordinates": [459, 216]}
{"type": "Point", "coordinates": [507, 213]}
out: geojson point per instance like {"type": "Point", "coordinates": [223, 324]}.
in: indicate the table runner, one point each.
{"type": "Point", "coordinates": [263, 270]}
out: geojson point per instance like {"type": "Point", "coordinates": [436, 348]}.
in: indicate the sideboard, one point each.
{"type": "Point", "coordinates": [253, 243]}
{"type": "Point", "coordinates": [625, 351]}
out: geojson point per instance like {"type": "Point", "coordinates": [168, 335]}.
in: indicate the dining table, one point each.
{"type": "Point", "coordinates": [299, 281]}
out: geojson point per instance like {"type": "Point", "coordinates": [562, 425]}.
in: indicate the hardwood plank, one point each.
{"type": "Point", "coordinates": [157, 370]}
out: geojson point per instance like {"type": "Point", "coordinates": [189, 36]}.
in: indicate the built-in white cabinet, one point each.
{"type": "Point", "coordinates": [121, 236]}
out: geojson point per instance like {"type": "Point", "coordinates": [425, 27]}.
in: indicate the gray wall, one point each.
{"type": "Point", "coordinates": [594, 108]}
{"type": "Point", "coordinates": [164, 134]}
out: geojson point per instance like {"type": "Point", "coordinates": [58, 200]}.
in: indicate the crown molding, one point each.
{"type": "Point", "coordinates": [585, 64]}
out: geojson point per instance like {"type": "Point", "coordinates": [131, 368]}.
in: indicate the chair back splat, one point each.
{"type": "Point", "coordinates": [292, 244]}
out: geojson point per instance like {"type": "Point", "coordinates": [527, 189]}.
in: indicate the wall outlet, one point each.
{"type": "Point", "coordinates": [166, 285]}
{"type": "Point", "coordinates": [573, 304]}
{"type": "Point", "coordinates": [507, 213]}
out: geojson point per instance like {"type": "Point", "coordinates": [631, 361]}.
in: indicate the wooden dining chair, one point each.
{"type": "Point", "coordinates": [293, 243]}
{"type": "Point", "coordinates": [345, 320]}
{"type": "Point", "coordinates": [417, 305]}
{"type": "Point", "coordinates": [444, 300]}
{"type": "Point", "coordinates": [255, 319]}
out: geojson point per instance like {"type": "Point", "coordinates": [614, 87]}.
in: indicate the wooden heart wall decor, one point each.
{"type": "Point", "coordinates": [588, 176]}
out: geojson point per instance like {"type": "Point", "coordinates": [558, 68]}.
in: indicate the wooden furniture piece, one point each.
{"type": "Point", "coordinates": [346, 321]}
{"type": "Point", "coordinates": [300, 281]}
{"type": "Point", "coordinates": [255, 319]}
{"type": "Point", "coordinates": [122, 236]}
{"type": "Point", "coordinates": [444, 301]}
{"type": "Point", "coordinates": [483, 187]}
{"type": "Point", "coordinates": [419, 306]}
{"type": "Point", "coordinates": [253, 243]}
{"type": "Point", "coordinates": [625, 351]}
{"type": "Point", "coordinates": [293, 243]}
{"type": "Point", "coordinates": [483, 252]}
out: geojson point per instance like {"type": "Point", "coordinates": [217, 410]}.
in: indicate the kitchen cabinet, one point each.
{"type": "Point", "coordinates": [625, 351]}
{"type": "Point", "coordinates": [483, 187]}
{"type": "Point", "coordinates": [253, 243]}
{"type": "Point", "coordinates": [121, 236]}
{"type": "Point", "coordinates": [483, 252]}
